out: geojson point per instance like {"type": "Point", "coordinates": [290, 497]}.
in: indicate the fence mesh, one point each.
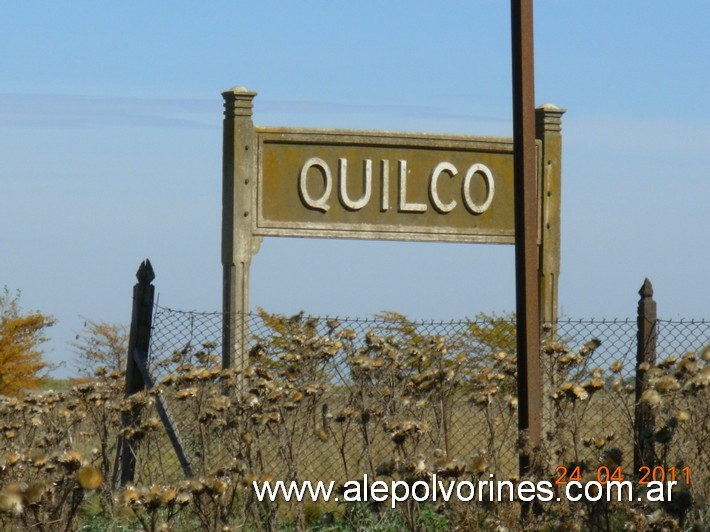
{"type": "Point", "coordinates": [334, 398]}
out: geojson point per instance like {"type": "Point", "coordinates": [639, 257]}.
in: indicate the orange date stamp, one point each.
{"type": "Point", "coordinates": [604, 474]}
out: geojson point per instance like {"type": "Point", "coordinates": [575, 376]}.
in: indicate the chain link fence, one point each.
{"type": "Point", "coordinates": [336, 398]}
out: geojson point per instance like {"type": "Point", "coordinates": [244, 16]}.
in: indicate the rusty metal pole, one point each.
{"type": "Point", "coordinates": [526, 228]}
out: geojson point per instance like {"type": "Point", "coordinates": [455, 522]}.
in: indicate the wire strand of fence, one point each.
{"type": "Point", "coordinates": [470, 421]}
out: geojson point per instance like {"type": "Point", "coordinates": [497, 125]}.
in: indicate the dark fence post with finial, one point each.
{"type": "Point", "coordinates": [139, 338]}
{"type": "Point", "coordinates": [645, 358]}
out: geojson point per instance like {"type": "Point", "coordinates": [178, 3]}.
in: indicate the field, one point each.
{"type": "Point", "coordinates": [324, 400]}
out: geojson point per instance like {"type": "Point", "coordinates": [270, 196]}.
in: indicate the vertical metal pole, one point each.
{"type": "Point", "coordinates": [526, 228]}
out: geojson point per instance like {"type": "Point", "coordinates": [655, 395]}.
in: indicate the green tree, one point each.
{"type": "Point", "coordinates": [101, 345]}
{"type": "Point", "coordinates": [493, 333]}
{"type": "Point", "coordinates": [21, 335]}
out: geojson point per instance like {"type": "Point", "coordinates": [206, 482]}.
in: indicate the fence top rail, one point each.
{"type": "Point", "coordinates": [690, 321]}
{"type": "Point", "coordinates": [303, 316]}
{"type": "Point", "coordinates": [375, 319]}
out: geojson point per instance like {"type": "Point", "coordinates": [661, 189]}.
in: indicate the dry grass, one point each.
{"type": "Point", "coordinates": [325, 407]}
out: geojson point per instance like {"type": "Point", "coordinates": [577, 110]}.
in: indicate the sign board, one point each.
{"type": "Point", "coordinates": [372, 185]}
{"type": "Point", "coordinates": [363, 184]}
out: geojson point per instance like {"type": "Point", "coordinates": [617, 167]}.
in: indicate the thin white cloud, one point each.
{"type": "Point", "coordinates": [61, 110]}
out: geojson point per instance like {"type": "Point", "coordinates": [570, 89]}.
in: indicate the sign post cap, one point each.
{"type": "Point", "coordinates": [239, 90]}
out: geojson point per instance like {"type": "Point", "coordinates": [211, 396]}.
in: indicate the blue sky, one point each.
{"type": "Point", "coordinates": [110, 148]}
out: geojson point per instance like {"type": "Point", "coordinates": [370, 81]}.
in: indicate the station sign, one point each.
{"type": "Point", "coordinates": [403, 186]}
{"type": "Point", "coordinates": [330, 183]}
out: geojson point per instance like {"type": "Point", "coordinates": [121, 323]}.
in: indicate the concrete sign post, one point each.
{"type": "Point", "coordinates": [371, 185]}
{"type": "Point", "coordinates": [548, 132]}
{"type": "Point", "coordinates": [238, 241]}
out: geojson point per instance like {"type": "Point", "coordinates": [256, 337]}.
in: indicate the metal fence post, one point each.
{"type": "Point", "coordinates": [645, 357]}
{"type": "Point", "coordinates": [139, 338]}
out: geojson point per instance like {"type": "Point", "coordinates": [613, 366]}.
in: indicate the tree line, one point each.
{"type": "Point", "coordinates": [23, 334]}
